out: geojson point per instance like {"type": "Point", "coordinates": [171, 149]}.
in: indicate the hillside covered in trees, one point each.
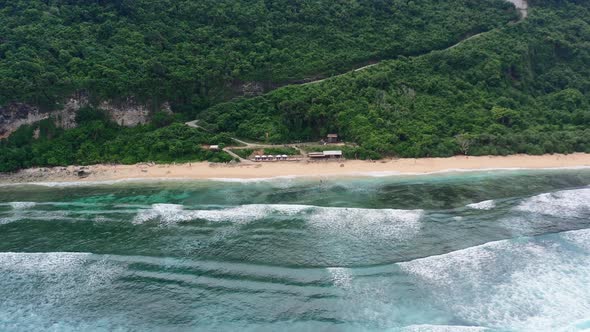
{"type": "Point", "coordinates": [190, 53]}
{"type": "Point", "coordinates": [518, 88]}
{"type": "Point", "coordinates": [524, 88]}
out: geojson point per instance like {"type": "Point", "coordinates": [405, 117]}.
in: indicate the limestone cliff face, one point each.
{"type": "Point", "coordinates": [127, 112]}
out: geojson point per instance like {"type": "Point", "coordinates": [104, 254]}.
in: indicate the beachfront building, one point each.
{"type": "Point", "coordinates": [332, 138]}
{"type": "Point", "coordinates": [334, 154]}
{"type": "Point", "coordinates": [214, 147]}
{"type": "Point", "coordinates": [316, 155]}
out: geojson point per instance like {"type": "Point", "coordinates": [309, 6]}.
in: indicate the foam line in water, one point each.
{"type": "Point", "coordinates": [255, 180]}
{"type": "Point", "coordinates": [442, 328]}
{"type": "Point", "coordinates": [234, 269]}
{"type": "Point", "coordinates": [91, 183]}
{"type": "Point", "coordinates": [527, 284]}
{"type": "Point", "coordinates": [22, 205]}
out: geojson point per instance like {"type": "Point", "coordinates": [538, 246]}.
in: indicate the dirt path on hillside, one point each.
{"type": "Point", "coordinates": [521, 6]}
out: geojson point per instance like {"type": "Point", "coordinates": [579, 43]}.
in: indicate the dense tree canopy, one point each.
{"type": "Point", "coordinates": [98, 140]}
{"type": "Point", "coordinates": [191, 52]}
{"type": "Point", "coordinates": [519, 88]}
{"type": "Point", "coordinates": [524, 88]}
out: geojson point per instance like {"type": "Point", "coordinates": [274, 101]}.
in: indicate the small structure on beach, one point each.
{"type": "Point", "coordinates": [315, 155]}
{"type": "Point", "coordinates": [334, 154]}
{"type": "Point", "coordinates": [279, 157]}
{"type": "Point", "coordinates": [214, 147]}
{"type": "Point", "coordinates": [332, 138]}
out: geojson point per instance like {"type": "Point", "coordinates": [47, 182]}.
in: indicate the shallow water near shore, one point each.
{"type": "Point", "coordinates": [491, 250]}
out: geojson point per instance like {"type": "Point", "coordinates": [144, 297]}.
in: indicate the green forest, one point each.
{"type": "Point", "coordinates": [192, 52]}
{"type": "Point", "coordinates": [518, 88]}
{"type": "Point", "coordinates": [523, 88]}
{"type": "Point", "coordinates": [98, 140]}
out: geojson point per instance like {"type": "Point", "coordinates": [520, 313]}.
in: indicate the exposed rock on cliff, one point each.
{"type": "Point", "coordinates": [127, 112]}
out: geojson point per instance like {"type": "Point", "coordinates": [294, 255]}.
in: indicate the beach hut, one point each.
{"type": "Point", "coordinates": [257, 158]}
{"type": "Point", "coordinates": [333, 154]}
{"type": "Point", "coordinates": [316, 155]}
{"type": "Point", "coordinates": [284, 157]}
{"type": "Point", "coordinates": [332, 138]}
{"type": "Point", "coordinates": [263, 157]}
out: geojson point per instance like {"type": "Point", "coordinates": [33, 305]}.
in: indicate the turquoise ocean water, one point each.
{"type": "Point", "coordinates": [476, 251]}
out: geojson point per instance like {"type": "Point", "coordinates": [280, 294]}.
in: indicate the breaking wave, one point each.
{"type": "Point", "coordinates": [526, 284]}
{"type": "Point", "coordinates": [485, 205]}
{"type": "Point", "coordinates": [371, 222]}
{"type": "Point", "coordinates": [570, 203]}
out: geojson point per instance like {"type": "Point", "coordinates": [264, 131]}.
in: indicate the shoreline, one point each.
{"type": "Point", "coordinates": [271, 170]}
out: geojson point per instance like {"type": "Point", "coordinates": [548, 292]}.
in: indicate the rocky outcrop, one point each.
{"type": "Point", "coordinates": [522, 6]}
{"type": "Point", "coordinates": [16, 115]}
{"type": "Point", "coordinates": [126, 112]}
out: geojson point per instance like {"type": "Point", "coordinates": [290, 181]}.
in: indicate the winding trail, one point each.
{"type": "Point", "coordinates": [521, 5]}
{"type": "Point", "coordinates": [249, 145]}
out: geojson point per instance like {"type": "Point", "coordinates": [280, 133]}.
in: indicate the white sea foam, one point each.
{"type": "Point", "coordinates": [341, 277]}
{"type": "Point", "coordinates": [53, 262]}
{"type": "Point", "coordinates": [384, 223]}
{"type": "Point", "coordinates": [485, 205]}
{"type": "Point", "coordinates": [89, 183]}
{"type": "Point", "coordinates": [34, 285]}
{"type": "Point", "coordinates": [367, 223]}
{"type": "Point", "coordinates": [62, 272]}
{"type": "Point", "coordinates": [523, 285]}
{"type": "Point", "coordinates": [255, 180]}
{"type": "Point", "coordinates": [568, 203]}
{"type": "Point", "coordinates": [173, 213]}
{"type": "Point", "coordinates": [580, 238]}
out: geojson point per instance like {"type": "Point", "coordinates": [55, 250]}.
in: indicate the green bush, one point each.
{"type": "Point", "coordinates": [289, 151]}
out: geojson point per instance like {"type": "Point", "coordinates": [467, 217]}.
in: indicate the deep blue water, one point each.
{"type": "Point", "coordinates": [499, 251]}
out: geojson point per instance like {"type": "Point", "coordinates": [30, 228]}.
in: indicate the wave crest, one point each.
{"type": "Point", "coordinates": [570, 203]}
{"type": "Point", "coordinates": [370, 222]}
{"type": "Point", "coordinates": [485, 205]}
{"type": "Point", "coordinates": [526, 284]}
